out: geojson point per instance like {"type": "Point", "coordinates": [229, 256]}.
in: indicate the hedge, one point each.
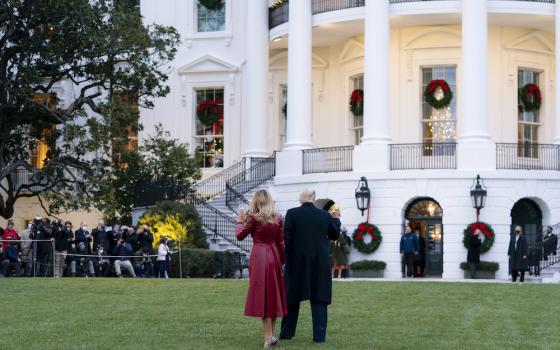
{"type": "Point", "coordinates": [482, 266]}
{"type": "Point", "coordinates": [368, 265]}
{"type": "Point", "coordinates": [205, 263]}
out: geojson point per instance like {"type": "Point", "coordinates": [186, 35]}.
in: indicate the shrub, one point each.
{"type": "Point", "coordinates": [482, 266]}
{"type": "Point", "coordinates": [174, 216]}
{"type": "Point", "coordinates": [205, 263]}
{"type": "Point", "coordinates": [368, 265]}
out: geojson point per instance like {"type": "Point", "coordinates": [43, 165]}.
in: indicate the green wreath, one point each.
{"type": "Point", "coordinates": [432, 100]}
{"type": "Point", "coordinates": [357, 102]}
{"type": "Point", "coordinates": [486, 230]}
{"type": "Point", "coordinates": [212, 5]}
{"type": "Point", "coordinates": [358, 238]}
{"type": "Point", "coordinates": [530, 98]}
{"type": "Point", "coordinates": [208, 112]}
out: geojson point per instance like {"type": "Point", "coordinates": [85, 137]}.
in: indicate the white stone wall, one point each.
{"type": "Point", "coordinates": [391, 196]}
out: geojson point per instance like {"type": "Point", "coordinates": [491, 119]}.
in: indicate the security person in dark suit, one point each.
{"type": "Point", "coordinates": [307, 231]}
{"type": "Point", "coordinates": [409, 248]}
{"type": "Point", "coordinates": [517, 253]}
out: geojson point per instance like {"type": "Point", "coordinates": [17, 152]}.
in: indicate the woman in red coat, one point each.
{"type": "Point", "coordinates": [266, 297]}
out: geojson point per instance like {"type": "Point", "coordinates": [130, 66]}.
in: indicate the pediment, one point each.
{"type": "Point", "coordinates": [353, 49]}
{"type": "Point", "coordinates": [207, 63]}
{"type": "Point", "coordinates": [436, 37]}
{"type": "Point", "coordinates": [280, 61]}
{"type": "Point", "coordinates": [534, 42]}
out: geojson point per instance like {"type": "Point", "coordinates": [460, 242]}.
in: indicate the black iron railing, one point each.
{"type": "Point", "coordinates": [327, 160]}
{"type": "Point", "coordinates": [259, 173]}
{"type": "Point", "coordinates": [280, 15]}
{"type": "Point", "coordinates": [219, 223]}
{"type": "Point", "coordinates": [26, 181]}
{"type": "Point", "coordinates": [528, 156]}
{"type": "Point", "coordinates": [423, 156]}
{"type": "Point", "coordinates": [216, 184]}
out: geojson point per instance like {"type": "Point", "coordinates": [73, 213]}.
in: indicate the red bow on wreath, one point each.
{"type": "Point", "coordinates": [365, 229]}
{"type": "Point", "coordinates": [356, 97]}
{"type": "Point", "coordinates": [441, 83]}
{"type": "Point", "coordinates": [482, 228]}
{"type": "Point", "coordinates": [533, 89]}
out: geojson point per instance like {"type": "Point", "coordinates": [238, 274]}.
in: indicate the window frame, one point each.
{"type": "Point", "coordinates": [192, 27]}
{"type": "Point", "coordinates": [355, 127]}
{"type": "Point", "coordinates": [200, 137]}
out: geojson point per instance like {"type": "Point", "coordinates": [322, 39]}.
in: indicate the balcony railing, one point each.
{"type": "Point", "coordinates": [280, 15]}
{"type": "Point", "coordinates": [327, 160]}
{"type": "Point", "coordinates": [423, 156]}
{"type": "Point", "coordinates": [528, 156]}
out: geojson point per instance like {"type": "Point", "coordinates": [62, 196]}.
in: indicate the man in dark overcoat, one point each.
{"type": "Point", "coordinates": [517, 253]}
{"type": "Point", "coordinates": [473, 253]}
{"type": "Point", "coordinates": [307, 231]}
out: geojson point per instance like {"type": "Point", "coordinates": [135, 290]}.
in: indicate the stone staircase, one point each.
{"type": "Point", "coordinates": [218, 198]}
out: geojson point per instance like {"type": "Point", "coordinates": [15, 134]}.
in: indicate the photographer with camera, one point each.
{"type": "Point", "coordinates": [123, 253]}
{"type": "Point", "coordinates": [103, 243]}
{"type": "Point", "coordinates": [81, 242]}
{"type": "Point", "coordinates": [41, 231]}
{"type": "Point", "coordinates": [62, 235]}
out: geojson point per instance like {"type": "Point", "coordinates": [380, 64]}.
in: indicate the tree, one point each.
{"type": "Point", "coordinates": [160, 161]}
{"type": "Point", "coordinates": [102, 52]}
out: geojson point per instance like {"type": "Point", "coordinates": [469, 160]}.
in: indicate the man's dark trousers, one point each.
{"type": "Point", "coordinates": [319, 316]}
{"type": "Point", "coordinates": [409, 259]}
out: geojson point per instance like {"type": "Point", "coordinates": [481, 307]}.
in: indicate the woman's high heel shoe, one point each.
{"type": "Point", "coordinates": [271, 342]}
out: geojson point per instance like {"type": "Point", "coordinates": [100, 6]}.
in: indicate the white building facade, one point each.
{"type": "Point", "coordinates": [281, 76]}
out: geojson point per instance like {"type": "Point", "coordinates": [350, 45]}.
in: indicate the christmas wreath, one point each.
{"type": "Point", "coordinates": [486, 230]}
{"type": "Point", "coordinates": [438, 102]}
{"type": "Point", "coordinates": [357, 102]}
{"type": "Point", "coordinates": [530, 97]}
{"type": "Point", "coordinates": [359, 235]}
{"type": "Point", "coordinates": [208, 112]}
{"type": "Point", "coordinates": [212, 5]}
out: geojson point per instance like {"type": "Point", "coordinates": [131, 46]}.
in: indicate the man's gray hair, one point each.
{"type": "Point", "coordinates": [307, 196]}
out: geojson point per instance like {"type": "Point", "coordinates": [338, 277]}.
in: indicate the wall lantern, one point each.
{"type": "Point", "coordinates": [478, 195]}
{"type": "Point", "coordinates": [363, 195]}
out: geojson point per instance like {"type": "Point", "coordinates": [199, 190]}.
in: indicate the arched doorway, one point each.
{"type": "Point", "coordinates": [527, 214]}
{"type": "Point", "coordinates": [425, 215]}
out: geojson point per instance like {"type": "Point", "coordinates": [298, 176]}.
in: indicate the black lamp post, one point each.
{"type": "Point", "coordinates": [363, 195]}
{"type": "Point", "coordinates": [478, 195]}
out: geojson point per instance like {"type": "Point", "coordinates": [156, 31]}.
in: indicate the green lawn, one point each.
{"type": "Point", "coordinates": [207, 314]}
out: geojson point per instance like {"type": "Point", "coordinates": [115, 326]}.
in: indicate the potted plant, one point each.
{"type": "Point", "coordinates": [484, 270]}
{"type": "Point", "coordinates": [368, 269]}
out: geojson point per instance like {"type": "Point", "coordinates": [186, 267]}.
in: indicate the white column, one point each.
{"type": "Point", "coordinates": [372, 155]}
{"type": "Point", "coordinates": [376, 73]}
{"type": "Point", "coordinates": [475, 151]}
{"type": "Point", "coordinates": [557, 71]}
{"type": "Point", "coordinates": [256, 132]}
{"type": "Point", "coordinates": [473, 126]}
{"type": "Point", "coordinates": [299, 76]}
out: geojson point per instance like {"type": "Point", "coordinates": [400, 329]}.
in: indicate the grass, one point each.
{"type": "Point", "coordinates": [207, 314]}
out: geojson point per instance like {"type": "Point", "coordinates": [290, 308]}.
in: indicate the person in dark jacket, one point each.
{"type": "Point", "coordinates": [307, 231]}
{"type": "Point", "coordinates": [517, 254]}
{"type": "Point", "coordinates": [9, 259]}
{"type": "Point", "coordinates": [123, 254]}
{"type": "Point", "coordinates": [42, 232]}
{"type": "Point", "coordinates": [420, 262]}
{"type": "Point", "coordinates": [81, 241]}
{"type": "Point", "coordinates": [550, 242]}
{"type": "Point", "coordinates": [409, 248]}
{"type": "Point", "coordinates": [62, 236]}
{"type": "Point", "coordinates": [473, 253]}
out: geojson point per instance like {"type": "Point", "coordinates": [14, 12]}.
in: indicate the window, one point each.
{"type": "Point", "coordinates": [438, 125]}
{"type": "Point", "coordinates": [211, 19]}
{"type": "Point", "coordinates": [129, 108]}
{"type": "Point", "coordinates": [528, 123]}
{"type": "Point", "coordinates": [357, 121]}
{"type": "Point", "coordinates": [283, 120]}
{"type": "Point", "coordinates": [209, 139]}
{"type": "Point", "coordinates": [39, 149]}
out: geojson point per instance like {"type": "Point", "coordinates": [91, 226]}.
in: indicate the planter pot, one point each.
{"type": "Point", "coordinates": [367, 273]}
{"type": "Point", "coordinates": [481, 275]}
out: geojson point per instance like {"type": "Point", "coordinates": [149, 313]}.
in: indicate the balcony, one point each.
{"type": "Point", "coordinates": [527, 156]}
{"type": "Point", "coordinates": [327, 160]}
{"type": "Point", "coordinates": [280, 14]}
{"type": "Point", "coordinates": [423, 156]}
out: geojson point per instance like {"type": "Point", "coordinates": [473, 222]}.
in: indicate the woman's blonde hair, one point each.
{"type": "Point", "coordinates": [262, 206]}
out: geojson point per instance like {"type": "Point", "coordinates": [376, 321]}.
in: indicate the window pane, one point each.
{"type": "Point", "coordinates": [438, 125]}
{"type": "Point", "coordinates": [211, 20]}
{"type": "Point", "coordinates": [356, 122]}
{"type": "Point", "coordinates": [209, 140]}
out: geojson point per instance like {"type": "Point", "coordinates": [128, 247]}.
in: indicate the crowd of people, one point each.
{"type": "Point", "coordinates": [105, 251]}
